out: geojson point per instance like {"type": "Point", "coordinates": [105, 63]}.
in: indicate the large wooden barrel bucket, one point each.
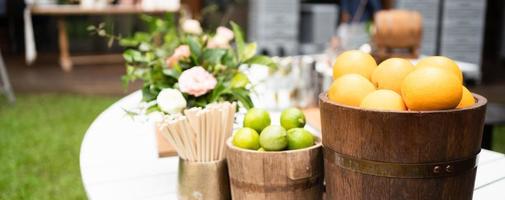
{"type": "Point", "coordinates": [283, 175]}
{"type": "Point", "coordinates": [400, 155]}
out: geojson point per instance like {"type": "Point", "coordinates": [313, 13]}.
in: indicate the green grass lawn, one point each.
{"type": "Point", "coordinates": [40, 139]}
{"type": "Point", "coordinates": [499, 139]}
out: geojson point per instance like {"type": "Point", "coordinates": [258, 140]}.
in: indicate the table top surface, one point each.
{"type": "Point", "coordinates": [119, 160]}
{"type": "Point", "coordinates": [79, 10]}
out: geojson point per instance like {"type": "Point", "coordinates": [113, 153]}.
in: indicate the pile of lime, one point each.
{"type": "Point", "coordinates": [259, 134]}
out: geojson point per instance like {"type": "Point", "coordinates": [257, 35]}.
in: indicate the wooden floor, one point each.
{"type": "Point", "coordinates": [104, 79]}
{"type": "Point", "coordinates": [47, 76]}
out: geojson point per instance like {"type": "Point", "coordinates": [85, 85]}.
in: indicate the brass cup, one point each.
{"type": "Point", "coordinates": [203, 180]}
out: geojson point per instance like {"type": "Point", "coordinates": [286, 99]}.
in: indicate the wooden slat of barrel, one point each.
{"type": "Point", "coordinates": [345, 184]}
{"type": "Point", "coordinates": [400, 137]}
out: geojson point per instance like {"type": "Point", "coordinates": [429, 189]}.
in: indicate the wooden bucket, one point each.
{"type": "Point", "coordinates": [400, 155]}
{"type": "Point", "coordinates": [283, 175]}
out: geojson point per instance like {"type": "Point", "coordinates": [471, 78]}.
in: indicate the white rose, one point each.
{"type": "Point", "coordinates": [171, 101]}
{"type": "Point", "coordinates": [192, 26]}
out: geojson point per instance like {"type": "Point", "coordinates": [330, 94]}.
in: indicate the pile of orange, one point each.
{"type": "Point", "coordinates": [434, 83]}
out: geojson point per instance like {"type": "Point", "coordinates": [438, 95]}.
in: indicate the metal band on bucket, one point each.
{"type": "Point", "coordinates": [401, 170]}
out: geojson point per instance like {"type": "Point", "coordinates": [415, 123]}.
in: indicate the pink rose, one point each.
{"type": "Point", "coordinates": [218, 42]}
{"type": "Point", "coordinates": [221, 39]}
{"type": "Point", "coordinates": [224, 32]}
{"type": "Point", "coordinates": [180, 52]}
{"type": "Point", "coordinates": [196, 81]}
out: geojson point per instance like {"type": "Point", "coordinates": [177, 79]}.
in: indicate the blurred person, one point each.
{"type": "Point", "coordinates": [358, 10]}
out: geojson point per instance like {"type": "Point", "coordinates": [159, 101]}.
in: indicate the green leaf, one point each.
{"type": "Point", "coordinates": [149, 93]}
{"type": "Point", "coordinates": [170, 36]}
{"type": "Point", "coordinates": [239, 38]}
{"type": "Point", "coordinates": [213, 56]}
{"type": "Point", "coordinates": [128, 42]}
{"type": "Point", "coordinates": [102, 32]}
{"type": "Point", "coordinates": [142, 37]}
{"type": "Point", "coordinates": [144, 46]}
{"type": "Point", "coordinates": [261, 60]}
{"type": "Point", "coordinates": [131, 55]}
{"type": "Point", "coordinates": [229, 59]}
{"type": "Point", "coordinates": [153, 108]}
{"type": "Point", "coordinates": [240, 80]}
{"type": "Point", "coordinates": [130, 69]}
{"type": "Point", "coordinates": [242, 95]}
{"type": "Point", "coordinates": [196, 49]}
{"type": "Point", "coordinates": [110, 42]}
{"type": "Point", "coordinates": [249, 51]}
{"type": "Point", "coordinates": [155, 24]}
{"type": "Point", "coordinates": [219, 90]}
{"type": "Point", "coordinates": [170, 20]}
{"type": "Point", "coordinates": [171, 73]}
{"type": "Point", "coordinates": [149, 56]}
{"type": "Point", "coordinates": [91, 28]}
{"type": "Point", "coordinates": [125, 81]}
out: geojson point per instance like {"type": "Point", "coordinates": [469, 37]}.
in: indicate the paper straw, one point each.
{"type": "Point", "coordinates": [201, 134]}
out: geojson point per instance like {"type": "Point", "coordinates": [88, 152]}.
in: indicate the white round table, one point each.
{"type": "Point", "coordinates": [119, 160]}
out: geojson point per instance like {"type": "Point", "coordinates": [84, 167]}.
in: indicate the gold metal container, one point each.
{"type": "Point", "coordinates": [203, 180]}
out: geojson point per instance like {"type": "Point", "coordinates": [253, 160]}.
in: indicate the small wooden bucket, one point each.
{"type": "Point", "coordinates": [400, 155]}
{"type": "Point", "coordinates": [283, 175]}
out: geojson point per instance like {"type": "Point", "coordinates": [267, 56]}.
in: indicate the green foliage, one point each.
{"type": "Point", "coordinates": [239, 38]}
{"type": "Point", "coordinates": [145, 54]}
{"type": "Point", "coordinates": [261, 60]}
{"type": "Point", "coordinates": [213, 57]}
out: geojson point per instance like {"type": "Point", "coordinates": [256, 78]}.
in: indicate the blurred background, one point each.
{"type": "Point", "coordinates": [56, 77]}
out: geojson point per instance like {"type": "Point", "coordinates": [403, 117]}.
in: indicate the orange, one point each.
{"type": "Point", "coordinates": [390, 73]}
{"type": "Point", "coordinates": [350, 89]}
{"type": "Point", "coordinates": [441, 62]}
{"type": "Point", "coordinates": [467, 99]}
{"type": "Point", "coordinates": [431, 88]}
{"type": "Point", "coordinates": [383, 100]}
{"type": "Point", "coordinates": [354, 62]}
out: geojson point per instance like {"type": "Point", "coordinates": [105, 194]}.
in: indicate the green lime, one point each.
{"type": "Point", "coordinates": [261, 149]}
{"type": "Point", "coordinates": [240, 80]}
{"type": "Point", "coordinates": [299, 138]}
{"type": "Point", "coordinates": [292, 118]}
{"type": "Point", "coordinates": [274, 138]}
{"type": "Point", "coordinates": [257, 119]}
{"type": "Point", "coordinates": [246, 138]}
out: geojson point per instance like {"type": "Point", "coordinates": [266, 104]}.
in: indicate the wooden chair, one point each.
{"type": "Point", "coordinates": [4, 82]}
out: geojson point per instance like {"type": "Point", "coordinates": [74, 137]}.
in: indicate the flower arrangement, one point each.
{"type": "Point", "coordinates": [182, 66]}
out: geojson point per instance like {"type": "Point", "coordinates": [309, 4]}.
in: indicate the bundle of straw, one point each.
{"type": "Point", "coordinates": [200, 134]}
